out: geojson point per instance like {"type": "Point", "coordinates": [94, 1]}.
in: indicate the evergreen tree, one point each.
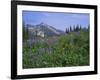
{"type": "Point", "coordinates": [70, 29]}
{"type": "Point", "coordinates": [66, 30]}
{"type": "Point", "coordinates": [25, 32]}
{"type": "Point", "coordinates": [80, 28]}
{"type": "Point", "coordinates": [77, 27]}
{"type": "Point", "coordinates": [88, 26]}
{"type": "Point", "coordinates": [74, 28]}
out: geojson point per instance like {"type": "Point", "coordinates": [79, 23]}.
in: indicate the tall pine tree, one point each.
{"type": "Point", "coordinates": [70, 29]}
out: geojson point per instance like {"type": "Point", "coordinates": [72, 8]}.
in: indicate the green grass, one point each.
{"type": "Point", "coordinates": [71, 50]}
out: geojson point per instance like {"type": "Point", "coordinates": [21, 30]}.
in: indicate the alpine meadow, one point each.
{"type": "Point", "coordinates": [55, 39]}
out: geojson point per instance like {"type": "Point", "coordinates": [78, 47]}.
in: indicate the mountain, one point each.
{"type": "Point", "coordinates": [46, 29]}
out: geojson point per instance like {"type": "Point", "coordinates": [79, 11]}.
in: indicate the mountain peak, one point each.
{"type": "Point", "coordinates": [47, 29]}
{"type": "Point", "coordinates": [44, 24]}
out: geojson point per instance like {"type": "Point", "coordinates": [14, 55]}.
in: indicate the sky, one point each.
{"type": "Point", "coordinates": [59, 20]}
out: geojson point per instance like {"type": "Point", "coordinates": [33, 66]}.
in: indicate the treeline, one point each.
{"type": "Point", "coordinates": [25, 32]}
{"type": "Point", "coordinates": [76, 28]}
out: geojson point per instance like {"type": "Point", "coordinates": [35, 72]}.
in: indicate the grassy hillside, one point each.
{"type": "Point", "coordinates": [71, 49]}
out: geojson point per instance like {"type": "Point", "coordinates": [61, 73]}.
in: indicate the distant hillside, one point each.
{"type": "Point", "coordinates": [45, 28]}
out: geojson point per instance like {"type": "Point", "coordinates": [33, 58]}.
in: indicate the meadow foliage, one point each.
{"type": "Point", "coordinates": [70, 49]}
